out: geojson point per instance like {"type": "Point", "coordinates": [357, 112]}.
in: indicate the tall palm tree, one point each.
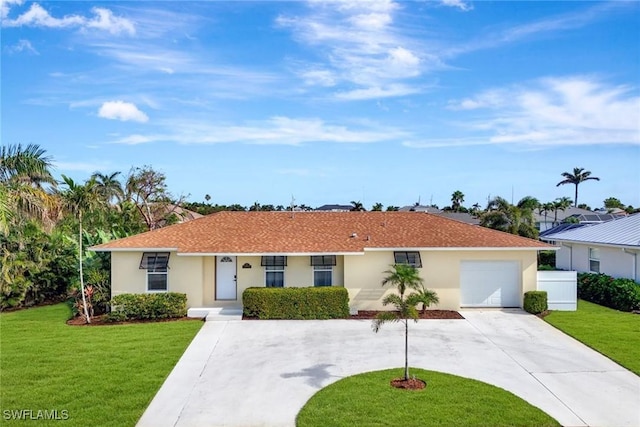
{"type": "Point", "coordinates": [405, 278]}
{"type": "Point", "coordinates": [78, 199]}
{"type": "Point", "coordinates": [109, 187]}
{"type": "Point", "coordinates": [456, 200]}
{"type": "Point", "coordinates": [578, 176]}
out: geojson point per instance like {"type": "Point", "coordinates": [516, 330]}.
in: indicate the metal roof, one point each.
{"type": "Point", "coordinates": [619, 232]}
{"type": "Point", "coordinates": [565, 226]}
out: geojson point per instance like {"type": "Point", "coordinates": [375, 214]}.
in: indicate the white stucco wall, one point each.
{"type": "Point", "coordinates": [360, 274]}
{"type": "Point", "coordinates": [613, 261]}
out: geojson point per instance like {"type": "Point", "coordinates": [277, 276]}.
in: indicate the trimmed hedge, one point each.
{"type": "Point", "coordinates": [296, 303]}
{"type": "Point", "coordinates": [619, 294]}
{"type": "Point", "coordinates": [535, 302]}
{"type": "Point", "coordinates": [147, 306]}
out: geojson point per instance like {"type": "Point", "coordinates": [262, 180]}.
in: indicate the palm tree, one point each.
{"type": "Point", "coordinates": [109, 187]}
{"type": "Point", "coordinates": [562, 204]}
{"type": "Point", "coordinates": [426, 297]}
{"type": "Point", "coordinates": [23, 171]}
{"type": "Point", "coordinates": [456, 200]}
{"type": "Point", "coordinates": [377, 207]}
{"type": "Point", "coordinates": [515, 219]}
{"type": "Point", "coordinates": [579, 175]}
{"type": "Point", "coordinates": [78, 199]}
{"type": "Point", "coordinates": [357, 206]}
{"type": "Point", "coordinates": [405, 278]}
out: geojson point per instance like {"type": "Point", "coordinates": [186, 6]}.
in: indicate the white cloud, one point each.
{"type": "Point", "coordinates": [37, 16]}
{"type": "Point", "coordinates": [460, 4]}
{"type": "Point", "coordinates": [575, 110]}
{"type": "Point", "coordinates": [5, 7]}
{"type": "Point", "coordinates": [377, 92]}
{"type": "Point", "coordinates": [362, 48]}
{"type": "Point", "coordinates": [120, 110]}
{"type": "Point", "coordinates": [22, 46]}
{"type": "Point", "coordinates": [276, 130]}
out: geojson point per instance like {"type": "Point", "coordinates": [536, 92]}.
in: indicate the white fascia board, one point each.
{"type": "Point", "coordinates": [94, 249]}
{"type": "Point", "coordinates": [608, 245]}
{"type": "Point", "coordinates": [267, 253]}
{"type": "Point", "coordinates": [483, 249]}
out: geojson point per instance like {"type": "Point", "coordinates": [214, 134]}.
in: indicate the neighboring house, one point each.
{"type": "Point", "coordinates": [334, 208]}
{"type": "Point", "coordinates": [419, 208]}
{"type": "Point", "coordinates": [215, 258]}
{"type": "Point", "coordinates": [572, 214]}
{"type": "Point", "coordinates": [565, 226]}
{"type": "Point", "coordinates": [459, 216]}
{"type": "Point", "coordinates": [611, 248]}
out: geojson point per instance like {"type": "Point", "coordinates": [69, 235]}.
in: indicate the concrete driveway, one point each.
{"type": "Point", "coordinates": [260, 373]}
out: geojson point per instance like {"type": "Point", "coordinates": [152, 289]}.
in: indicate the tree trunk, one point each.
{"type": "Point", "coordinates": [406, 349]}
{"type": "Point", "coordinates": [575, 199]}
{"type": "Point", "coordinates": [84, 299]}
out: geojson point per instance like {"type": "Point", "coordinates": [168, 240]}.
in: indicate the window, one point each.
{"type": "Point", "coordinates": [410, 258]}
{"type": "Point", "coordinates": [323, 269]}
{"type": "Point", "coordinates": [157, 266]}
{"type": "Point", "coordinates": [274, 276]}
{"type": "Point", "coordinates": [322, 275]}
{"type": "Point", "coordinates": [594, 260]}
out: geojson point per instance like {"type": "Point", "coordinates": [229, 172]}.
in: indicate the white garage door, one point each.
{"type": "Point", "coordinates": [490, 284]}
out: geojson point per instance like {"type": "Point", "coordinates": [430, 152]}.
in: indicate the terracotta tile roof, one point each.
{"type": "Point", "coordinates": [318, 232]}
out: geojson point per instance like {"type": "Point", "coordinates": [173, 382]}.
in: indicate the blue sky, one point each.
{"type": "Point", "coordinates": [332, 101]}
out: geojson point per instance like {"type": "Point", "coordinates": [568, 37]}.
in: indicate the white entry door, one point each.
{"type": "Point", "coordinates": [226, 278]}
{"type": "Point", "coordinates": [490, 284]}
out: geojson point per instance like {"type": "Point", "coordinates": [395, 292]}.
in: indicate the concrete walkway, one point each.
{"type": "Point", "coordinates": [260, 373]}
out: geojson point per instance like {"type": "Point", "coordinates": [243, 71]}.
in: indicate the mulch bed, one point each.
{"type": "Point", "coordinates": [371, 314]}
{"type": "Point", "coordinates": [410, 384]}
{"type": "Point", "coordinates": [429, 314]}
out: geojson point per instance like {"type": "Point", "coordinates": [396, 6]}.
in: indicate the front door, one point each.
{"type": "Point", "coordinates": [226, 278]}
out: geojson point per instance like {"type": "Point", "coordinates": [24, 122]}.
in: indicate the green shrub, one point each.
{"type": "Point", "coordinates": [535, 302]}
{"type": "Point", "coordinates": [147, 306]}
{"type": "Point", "coordinates": [619, 294]}
{"type": "Point", "coordinates": [296, 303]}
{"type": "Point", "coordinates": [547, 258]}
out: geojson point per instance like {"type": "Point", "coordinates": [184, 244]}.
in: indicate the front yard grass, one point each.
{"type": "Point", "coordinates": [448, 400]}
{"type": "Point", "coordinates": [615, 334]}
{"type": "Point", "coordinates": [99, 375]}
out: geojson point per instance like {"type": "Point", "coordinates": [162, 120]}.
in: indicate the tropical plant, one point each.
{"type": "Point", "coordinates": [377, 207]}
{"type": "Point", "coordinates": [405, 278]}
{"type": "Point", "coordinates": [578, 176]}
{"type": "Point", "coordinates": [515, 219]}
{"type": "Point", "coordinates": [456, 200]}
{"type": "Point", "coordinates": [613, 203]}
{"type": "Point", "coordinates": [24, 172]}
{"type": "Point", "coordinates": [544, 209]}
{"type": "Point", "coordinates": [77, 199]}
{"type": "Point", "coordinates": [426, 297]}
{"type": "Point", "coordinates": [391, 208]}
{"type": "Point", "coordinates": [562, 204]}
{"type": "Point", "coordinates": [357, 206]}
{"type": "Point", "coordinates": [109, 187]}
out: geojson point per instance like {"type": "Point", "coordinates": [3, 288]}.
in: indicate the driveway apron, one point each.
{"type": "Point", "coordinates": [261, 373]}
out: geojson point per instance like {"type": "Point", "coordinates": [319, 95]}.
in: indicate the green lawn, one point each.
{"type": "Point", "coordinates": [615, 334]}
{"type": "Point", "coordinates": [101, 376]}
{"type": "Point", "coordinates": [368, 400]}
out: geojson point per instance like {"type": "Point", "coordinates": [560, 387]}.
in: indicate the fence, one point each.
{"type": "Point", "coordinates": [561, 287]}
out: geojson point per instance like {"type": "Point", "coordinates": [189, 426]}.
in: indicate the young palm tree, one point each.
{"type": "Point", "coordinates": [426, 297]}
{"type": "Point", "coordinates": [515, 219]}
{"type": "Point", "coordinates": [405, 278]}
{"type": "Point", "coordinates": [78, 199]}
{"type": "Point", "coordinates": [578, 176]}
